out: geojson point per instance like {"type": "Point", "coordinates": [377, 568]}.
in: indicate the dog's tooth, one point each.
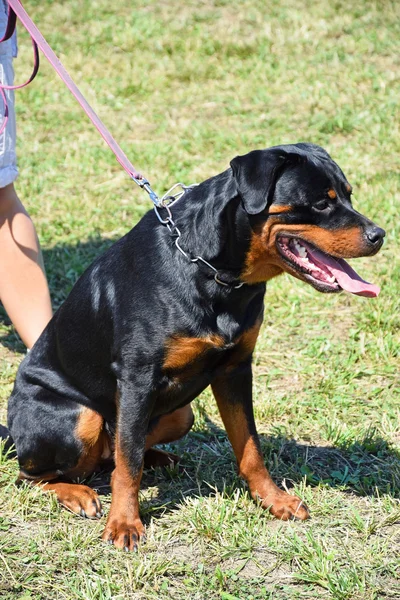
{"type": "Point", "coordinates": [302, 252]}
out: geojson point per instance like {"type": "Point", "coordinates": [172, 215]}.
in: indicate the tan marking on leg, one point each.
{"type": "Point", "coordinates": [96, 445]}
{"type": "Point", "coordinates": [124, 528]}
{"type": "Point", "coordinates": [169, 428]}
{"type": "Point", "coordinates": [89, 426]}
{"type": "Point", "coordinates": [251, 464]}
{"type": "Point", "coordinates": [78, 498]}
{"type": "Point", "coordinates": [95, 441]}
{"type": "Point", "coordinates": [245, 345]}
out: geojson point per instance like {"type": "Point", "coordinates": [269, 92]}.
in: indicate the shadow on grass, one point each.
{"type": "Point", "coordinates": [64, 264]}
{"type": "Point", "coordinates": [366, 467]}
{"type": "Point", "coordinates": [8, 336]}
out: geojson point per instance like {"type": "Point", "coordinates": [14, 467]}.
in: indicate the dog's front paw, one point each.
{"type": "Point", "coordinates": [284, 507]}
{"type": "Point", "coordinates": [124, 534]}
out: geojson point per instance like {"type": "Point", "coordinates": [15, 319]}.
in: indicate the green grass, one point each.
{"type": "Point", "coordinates": [185, 87]}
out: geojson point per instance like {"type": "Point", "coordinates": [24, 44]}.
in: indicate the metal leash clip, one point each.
{"type": "Point", "coordinates": [143, 183]}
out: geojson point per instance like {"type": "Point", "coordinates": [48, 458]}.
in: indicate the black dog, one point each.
{"type": "Point", "coordinates": [145, 329]}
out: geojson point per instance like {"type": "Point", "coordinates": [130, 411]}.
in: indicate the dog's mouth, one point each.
{"type": "Point", "coordinates": [324, 272]}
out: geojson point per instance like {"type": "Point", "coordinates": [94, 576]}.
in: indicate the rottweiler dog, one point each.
{"type": "Point", "coordinates": [150, 325]}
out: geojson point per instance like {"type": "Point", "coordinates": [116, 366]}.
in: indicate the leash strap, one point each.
{"type": "Point", "coordinates": [17, 10]}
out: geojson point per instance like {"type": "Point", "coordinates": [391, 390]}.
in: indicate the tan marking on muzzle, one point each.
{"type": "Point", "coordinates": [263, 260]}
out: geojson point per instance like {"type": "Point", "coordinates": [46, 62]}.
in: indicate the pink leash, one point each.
{"type": "Point", "coordinates": [15, 9]}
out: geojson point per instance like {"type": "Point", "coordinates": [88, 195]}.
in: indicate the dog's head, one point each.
{"type": "Point", "coordinates": [299, 203]}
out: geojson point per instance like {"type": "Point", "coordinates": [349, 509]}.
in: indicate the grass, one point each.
{"type": "Point", "coordinates": [185, 88]}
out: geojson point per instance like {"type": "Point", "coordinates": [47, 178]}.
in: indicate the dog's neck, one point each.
{"type": "Point", "coordinates": [214, 224]}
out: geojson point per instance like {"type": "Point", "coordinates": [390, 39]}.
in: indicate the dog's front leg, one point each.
{"type": "Point", "coordinates": [124, 528]}
{"type": "Point", "coordinates": [233, 392]}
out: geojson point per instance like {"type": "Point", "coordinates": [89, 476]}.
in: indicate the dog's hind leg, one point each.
{"type": "Point", "coordinates": [167, 428]}
{"type": "Point", "coordinates": [78, 498]}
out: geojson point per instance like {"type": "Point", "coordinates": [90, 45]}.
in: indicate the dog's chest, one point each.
{"type": "Point", "coordinates": [189, 367]}
{"type": "Point", "coordinates": [185, 355]}
{"type": "Point", "coordinates": [191, 363]}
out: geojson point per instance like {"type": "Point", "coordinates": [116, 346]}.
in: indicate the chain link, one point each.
{"type": "Point", "coordinates": [175, 231]}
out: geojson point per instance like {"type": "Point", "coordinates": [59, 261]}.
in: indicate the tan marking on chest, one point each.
{"type": "Point", "coordinates": [184, 351]}
{"type": "Point", "coordinates": [248, 339]}
{"type": "Point", "coordinates": [244, 345]}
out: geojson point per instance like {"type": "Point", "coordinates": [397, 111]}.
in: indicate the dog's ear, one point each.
{"type": "Point", "coordinates": [255, 174]}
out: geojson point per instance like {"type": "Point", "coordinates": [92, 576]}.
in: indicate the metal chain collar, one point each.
{"type": "Point", "coordinates": [166, 202]}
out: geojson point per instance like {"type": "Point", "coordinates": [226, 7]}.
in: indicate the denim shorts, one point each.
{"type": "Point", "coordinates": [8, 158]}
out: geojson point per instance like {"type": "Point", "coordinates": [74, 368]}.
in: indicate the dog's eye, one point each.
{"type": "Point", "coordinates": [322, 205]}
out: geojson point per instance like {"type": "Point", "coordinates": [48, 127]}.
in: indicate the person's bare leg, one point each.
{"type": "Point", "coordinates": [24, 292]}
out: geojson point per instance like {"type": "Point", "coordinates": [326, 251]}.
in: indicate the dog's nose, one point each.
{"type": "Point", "coordinates": [375, 234]}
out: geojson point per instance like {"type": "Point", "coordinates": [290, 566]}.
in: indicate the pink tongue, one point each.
{"type": "Point", "coordinates": [346, 277]}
